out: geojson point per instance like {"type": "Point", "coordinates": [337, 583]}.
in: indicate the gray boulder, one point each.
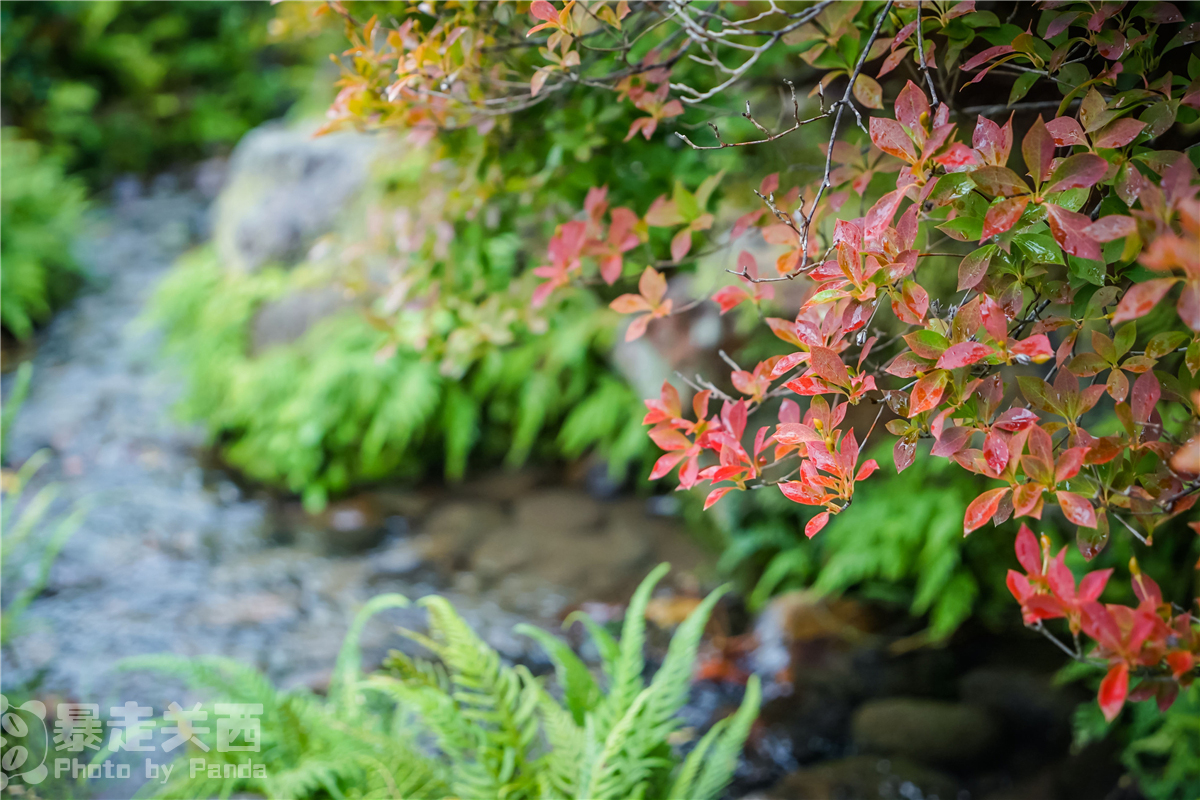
{"type": "Point", "coordinates": [286, 188]}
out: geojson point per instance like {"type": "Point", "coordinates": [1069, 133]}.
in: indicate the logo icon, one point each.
{"type": "Point", "coordinates": [24, 742]}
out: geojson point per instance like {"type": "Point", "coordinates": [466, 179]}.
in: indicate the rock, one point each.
{"type": "Point", "coordinates": [351, 525]}
{"type": "Point", "coordinates": [553, 511]}
{"type": "Point", "coordinates": [929, 731]}
{"type": "Point", "coordinates": [258, 608]}
{"type": "Point", "coordinates": [285, 320]}
{"type": "Point", "coordinates": [1030, 708]}
{"type": "Point", "coordinates": [286, 188]}
{"type": "Point", "coordinates": [453, 531]}
{"type": "Point", "coordinates": [503, 486]}
{"type": "Point", "coordinates": [400, 558]}
{"type": "Point", "coordinates": [864, 778]}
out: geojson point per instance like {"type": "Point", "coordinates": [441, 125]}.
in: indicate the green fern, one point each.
{"type": "Point", "coordinates": [471, 726]}
{"type": "Point", "coordinates": [325, 412]}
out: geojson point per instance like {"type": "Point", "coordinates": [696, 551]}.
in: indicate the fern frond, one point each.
{"type": "Point", "coordinates": [579, 688]}
{"type": "Point", "coordinates": [627, 671]}
{"type": "Point", "coordinates": [347, 669]}
{"type": "Point", "coordinates": [721, 761]}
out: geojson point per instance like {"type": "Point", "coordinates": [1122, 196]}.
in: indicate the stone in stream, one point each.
{"type": "Point", "coordinates": [864, 778]}
{"type": "Point", "coordinates": [932, 732]}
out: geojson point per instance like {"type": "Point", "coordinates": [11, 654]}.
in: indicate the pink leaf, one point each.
{"type": "Point", "coordinates": [911, 103]}
{"type": "Point", "coordinates": [1077, 172]}
{"type": "Point", "coordinates": [1141, 299]}
{"type": "Point", "coordinates": [715, 495]}
{"type": "Point", "coordinates": [1114, 226]}
{"type": "Point", "coordinates": [1113, 691]}
{"type": "Point", "coordinates": [1003, 215]}
{"type": "Point", "coordinates": [1066, 132]}
{"type": "Point", "coordinates": [889, 136]}
{"type": "Point", "coordinates": [964, 353]}
{"type": "Point", "coordinates": [1118, 133]}
{"type": "Point", "coordinates": [815, 524]}
{"type": "Point", "coordinates": [1038, 149]}
{"type": "Point", "coordinates": [1077, 509]}
{"type": "Point", "coordinates": [982, 508]}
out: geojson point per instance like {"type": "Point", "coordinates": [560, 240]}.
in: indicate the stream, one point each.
{"type": "Point", "coordinates": [175, 556]}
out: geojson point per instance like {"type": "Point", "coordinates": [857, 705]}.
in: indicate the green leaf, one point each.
{"type": "Point", "coordinates": [706, 189]}
{"type": "Point", "coordinates": [1040, 247]}
{"type": "Point", "coordinates": [1022, 85]}
{"type": "Point", "coordinates": [1125, 338]}
{"type": "Point", "coordinates": [964, 229]}
{"type": "Point", "coordinates": [1087, 270]}
{"type": "Point", "coordinates": [1072, 199]}
{"type": "Point", "coordinates": [686, 202]}
{"type": "Point", "coordinates": [951, 187]}
{"type": "Point", "coordinates": [1166, 342]}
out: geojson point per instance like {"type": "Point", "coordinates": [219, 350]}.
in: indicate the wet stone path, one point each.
{"type": "Point", "coordinates": [174, 557]}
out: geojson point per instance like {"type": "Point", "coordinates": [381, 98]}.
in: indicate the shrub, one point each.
{"type": "Point", "coordinates": [1071, 251]}
{"type": "Point", "coordinates": [39, 211]}
{"type": "Point", "coordinates": [140, 86]}
{"type": "Point", "coordinates": [468, 725]}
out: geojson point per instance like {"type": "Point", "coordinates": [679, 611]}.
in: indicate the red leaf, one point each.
{"type": "Point", "coordinates": [982, 508]}
{"type": "Point", "coordinates": [1036, 348]}
{"type": "Point", "coordinates": [1038, 149]}
{"type": "Point", "coordinates": [889, 136]}
{"type": "Point", "coordinates": [665, 464]}
{"type": "Point", "coordinates": [999, 181]}
{"type": "Point", "coordinates": [1016, 419]}
{"type": "Point", "coordinates": [796, 433]}
{"type": "Point", "coordinates": [652, 285]}
{"type": "Point", "coordinates": [866, 470]}
{"type": "Point", "coordinates": [904, 452]}
{"type": "Point", "coordinates": [1141, 299]}
{"type": "Point", "coordinates": [1068, 229]}
{"type": "Point", "coordinates": [964, 353]}
{"type": "Point", "coordinates": [988, 54]}
{"type": "Point", "coordinates": [992, 141]}
{"type": "Point", "coordinates": [995, 452]}
{"type": "Point", "coordinates": [729, 297]}
{"type": "Point", "coordinates": [1003, 215]}
{"type": "Point", "coordinates": [1077, 509]}
{"type": "Point", "coordinates": [681, 243]}
{"type": "Point", "coordinates": [880, 217]}
{"type": "Point", "coordinates": [1113, 691]}
{"type": "Point", "coordinates": [928, 392]}
{"type": "Point", "coordinates": [543, 11]}
{"type": "Point", "coordinates": [1114, 226]}
{"type": "Point", "coordinates": [637, 328]}
{"type": "Point", "coordinates": [1092, 585]}
{"type": "Point", "coordinates": [1066, 132]}
{"type": "Point", "coordinates": [1118, 133]}
{"type": "Point", "coordinates": [1028, 552]}
{"type": "Point", "coordinates": [1145, 396]}
{"type": "Point", "coordinates": [816, 523]}
{"type": "Point", "coordinates": [629, 304]}
{"type": "Point", "coordinates": [829, 366]}
{"type": "Point", "coordinates": [1077, 172]}
{"type": "Point", "coordinates": [972, 268]}
{"type": "Point", "coordinates": [911, 103]}
{"type": "Point", "coordinates": [769, 185]}
{"type": "Point", "coordinates": [715, 495]}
